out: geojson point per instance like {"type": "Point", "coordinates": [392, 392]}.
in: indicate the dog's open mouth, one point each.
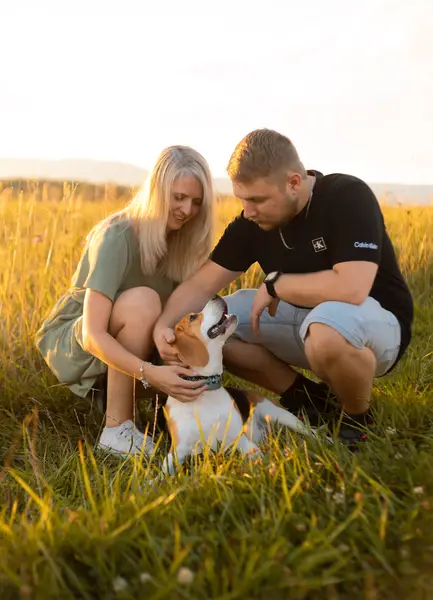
{"type": "Point", "coordinates": [224, 323]}
{"type": "Point", "coordinates": [221, 327]}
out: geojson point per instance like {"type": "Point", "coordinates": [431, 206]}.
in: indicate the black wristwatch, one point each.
{"type": "Point", "coordinates": [270, 280]}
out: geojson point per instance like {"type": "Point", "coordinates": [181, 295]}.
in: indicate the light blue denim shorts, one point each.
{"type": "Point", "coordinates": [365, 325]}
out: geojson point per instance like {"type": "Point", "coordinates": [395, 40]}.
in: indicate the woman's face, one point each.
{"type": "Point", "coordinates": [185, 202]}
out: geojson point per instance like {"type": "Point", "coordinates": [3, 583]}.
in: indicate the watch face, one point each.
{"type": "Point", "coordinates": [270, 276]}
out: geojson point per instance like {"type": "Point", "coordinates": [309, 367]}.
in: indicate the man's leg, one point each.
{"type": "Point", "coordinates": [257, 364]}
{"type": "Point", "coordinates": [349, 371]}
{"type": "Point", "coordinates": [347, 346]}
{"type": "Point", "coordinates": [266, 360]}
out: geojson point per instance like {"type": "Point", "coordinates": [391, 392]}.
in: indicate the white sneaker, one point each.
{"type": "Point", "coordinates": [125, 439]}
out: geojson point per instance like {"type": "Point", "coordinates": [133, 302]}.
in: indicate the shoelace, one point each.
{"type": "Point", "coordinates": [128, 432]}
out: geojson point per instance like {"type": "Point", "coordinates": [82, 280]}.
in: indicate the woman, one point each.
{"type": "Point", "coordinates": [131, 263]}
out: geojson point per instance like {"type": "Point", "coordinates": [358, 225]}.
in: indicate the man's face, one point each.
{"type": "Point", "coordinates": [269, 202]}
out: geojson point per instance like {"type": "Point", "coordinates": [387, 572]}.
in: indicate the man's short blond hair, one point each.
{"type": "Point", "coordinates": [263, 153]}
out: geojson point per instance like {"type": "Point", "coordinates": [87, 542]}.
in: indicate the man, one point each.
{"type": "Point", "coordinates": [337, 302]}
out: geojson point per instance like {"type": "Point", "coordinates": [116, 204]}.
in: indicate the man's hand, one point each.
{"type": "Point", "coordinates": [262, 300]}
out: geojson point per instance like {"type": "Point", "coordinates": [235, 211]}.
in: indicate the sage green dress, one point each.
{"type": "Point", "coordinates": [110, 265]}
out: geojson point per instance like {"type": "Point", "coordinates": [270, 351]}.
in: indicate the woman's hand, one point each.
{"type": "Point", "coordinates": [168, 380]}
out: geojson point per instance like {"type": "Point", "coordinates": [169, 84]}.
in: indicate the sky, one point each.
{"type": "Point", "coordinates": [351, 84]}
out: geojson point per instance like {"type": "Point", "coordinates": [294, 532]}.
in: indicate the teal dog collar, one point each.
{"type": "Point", "coordinates": [213, 382]}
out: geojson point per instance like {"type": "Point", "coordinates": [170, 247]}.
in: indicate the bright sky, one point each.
{"type": "Point", "coordinates": [351, 83]}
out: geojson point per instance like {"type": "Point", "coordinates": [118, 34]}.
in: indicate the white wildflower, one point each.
{"type": "Point", "coordinates": [185, 576]}
{"type": "Point", "coordinates": [119, 584]}
{"type": "Point", "coordinates": [418, 489]}
{"type": "Point", "coordinates": [145, 577]}
{"type": "Point", "coordinates": [338, 497]}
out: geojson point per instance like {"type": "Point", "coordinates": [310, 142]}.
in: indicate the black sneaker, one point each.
{"type": "Point", "coordinates": [310, 401]}
{"type": "Point", "coordinates": [354, 430]}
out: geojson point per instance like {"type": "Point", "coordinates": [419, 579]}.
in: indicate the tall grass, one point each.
{"type": "Point", "coordinates": [306, 522]}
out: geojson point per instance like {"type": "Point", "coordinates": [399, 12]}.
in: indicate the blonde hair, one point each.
{"type": "Point", "coordinates": [182, 252]}
{"type": "Point", "coordinates": [263, 153]}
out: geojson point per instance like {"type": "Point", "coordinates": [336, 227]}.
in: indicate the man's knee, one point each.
{"type": "Point", "coordinates": [231, 350]}
{"type": "Point", "coordinates": [324, 346]}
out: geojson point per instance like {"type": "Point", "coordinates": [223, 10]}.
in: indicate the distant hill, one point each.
{"type": "Point", "coordinates": [394, 193]}
{"type": "Point", "coordinates": [89, 171]}
{"type": "Point", "coordinates": [127, 175]}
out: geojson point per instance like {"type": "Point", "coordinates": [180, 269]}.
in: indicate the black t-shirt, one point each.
{"type": "Point", "coordinates": [343, 222]}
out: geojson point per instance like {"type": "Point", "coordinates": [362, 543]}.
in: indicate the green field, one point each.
{"type": "Point", "coordinates": [307, 522]}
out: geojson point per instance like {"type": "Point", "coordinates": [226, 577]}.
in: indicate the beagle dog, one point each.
{"type": "Point", "coordinates": [224, 415]}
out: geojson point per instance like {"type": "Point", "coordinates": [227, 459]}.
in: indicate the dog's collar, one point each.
{"type": "Point", "coordinates": [213, 382]}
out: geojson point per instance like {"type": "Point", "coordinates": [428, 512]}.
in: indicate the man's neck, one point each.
{"type": "Point", "coordinates": [304, 197]}
{"type": "Point", "coordinates": [305, 193]}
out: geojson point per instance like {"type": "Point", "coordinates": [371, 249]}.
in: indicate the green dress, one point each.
{"type": "Point", "coordinates": [110, 265]}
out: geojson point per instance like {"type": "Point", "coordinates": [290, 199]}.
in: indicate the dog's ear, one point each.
{"type": "Point", "coordinates": [191, 350]}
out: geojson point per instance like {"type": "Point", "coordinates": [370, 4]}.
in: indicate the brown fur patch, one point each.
{"type": "Point", "coordinates": [254, 397]}
{"type": "Point", "coordinates": [189, 343]}
{"type": "Point", "coordinates": [172, 427]}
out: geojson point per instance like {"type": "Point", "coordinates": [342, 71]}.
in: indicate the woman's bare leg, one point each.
{"type": "Point", "coordinates": [132, 321]}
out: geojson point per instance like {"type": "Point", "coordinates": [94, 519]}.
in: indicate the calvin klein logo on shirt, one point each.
{"type": "Point", "coordinates": [365, 245]}
{"type": "Point", "coordinates": [319, 244]}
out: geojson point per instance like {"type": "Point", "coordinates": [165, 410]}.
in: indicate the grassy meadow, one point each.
{"type": "Point", "coordinates": [307, 522]}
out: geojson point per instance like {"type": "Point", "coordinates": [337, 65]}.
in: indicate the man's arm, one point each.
{"type": "Point", "coordinates": [232, 256]}
{"type": "Point", "coordinates": [355, 228]}
{"type": "Point", "coordinates": [349, 282]}
{"type": "Point", "coordinates": [193, 294]}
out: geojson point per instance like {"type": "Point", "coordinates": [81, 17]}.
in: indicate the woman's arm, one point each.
{"type": "Point", "coordinates": [100, 343]}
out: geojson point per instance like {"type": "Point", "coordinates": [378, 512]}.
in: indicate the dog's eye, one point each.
{"type": "Point", "coordinates": [192, 317]}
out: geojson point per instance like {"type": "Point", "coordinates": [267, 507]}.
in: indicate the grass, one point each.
{"type": "Point", "coordinates": [307, 522]}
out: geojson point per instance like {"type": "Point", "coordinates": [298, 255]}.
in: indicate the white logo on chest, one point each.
{"type": "Point", "coordinates": [368, 245]}
{"type": "Point", "coordinates": [319, 244]}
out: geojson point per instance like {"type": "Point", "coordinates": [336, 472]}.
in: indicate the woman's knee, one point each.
{"type": "Point", "coordinates": [140, 305]}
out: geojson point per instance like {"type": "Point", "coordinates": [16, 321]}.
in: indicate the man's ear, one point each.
{"type": "Point", "coordinates": [191, 350]}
